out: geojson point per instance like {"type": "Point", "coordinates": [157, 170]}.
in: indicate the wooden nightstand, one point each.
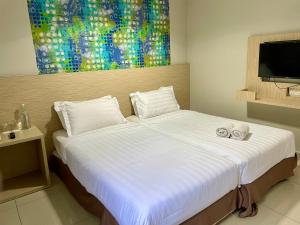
{"type": "Point", "coordinates": [23, 164]}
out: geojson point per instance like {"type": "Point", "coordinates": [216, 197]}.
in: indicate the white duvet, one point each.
{"type": "Point", "coordinates": [146, 178]}
{"type": "Point", "coordinates": [263, 148]}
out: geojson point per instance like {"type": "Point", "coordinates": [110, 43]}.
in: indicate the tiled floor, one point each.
{"type": "Point", "coordinates": [55, 206]}
{"type": "Point", "coordinates": [281, 206]}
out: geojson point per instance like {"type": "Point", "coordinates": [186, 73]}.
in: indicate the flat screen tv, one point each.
{"type": "Point", "coordinates": [279, 59]}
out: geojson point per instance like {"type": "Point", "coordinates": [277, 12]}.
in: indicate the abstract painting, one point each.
{"type": "Point", "coordinates": [89, 35]}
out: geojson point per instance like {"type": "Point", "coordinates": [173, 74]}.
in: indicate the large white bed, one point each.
{"type": "Point", "coordinates": [144, 177]}
{"type": "Point", "coordinates": [264, 147]}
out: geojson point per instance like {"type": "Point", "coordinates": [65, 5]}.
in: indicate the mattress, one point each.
{"type": "Point", "coordinates": [144, 177]}
{"type": "Point", "coordinates": [59, 140]}
{"type": "Point", "coordinates": [264, 147]}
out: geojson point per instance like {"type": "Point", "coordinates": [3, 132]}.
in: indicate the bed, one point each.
{"type": "Point", "coordinates": [130, 174]}
{"type": "Point", "coordinates": [266, 157]}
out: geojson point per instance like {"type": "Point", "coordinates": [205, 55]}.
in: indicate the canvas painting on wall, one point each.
{"type": "Point", "coordinates": [88, 35]}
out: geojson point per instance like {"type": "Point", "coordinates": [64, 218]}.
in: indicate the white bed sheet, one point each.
{"type": "Point", "coordinates": [145, 178]}
{"type": "Point", "coordinates": [263, 149]}
{"type": "Point", "coordinates": [60, 138]}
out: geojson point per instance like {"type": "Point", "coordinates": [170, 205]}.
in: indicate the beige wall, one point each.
{"type": "Point", "coordinates": [16, 48]}
{"type": "Point", "coordinates": [178, 10]}
{"type": "Point", "coordinates": [217, 50]}
{"type": "Point", "coordinates": [17, 54]}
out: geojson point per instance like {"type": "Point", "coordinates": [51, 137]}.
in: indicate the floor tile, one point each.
{"type": "Point", "coordinates": [56, 186]}
{"type": "Point", "coordinates": [54, 189]}
{"type": "Point", "coordinates": [284, 198]}
{"type": "Point", "coordinates": [41, 211]}
{"type": "Point", "coordinates": [296, 179]}
{"type": "Point", "coordinates": [90, 221]}
{"type": "Point", "coordinates": [56, 209]}
{"type": "Point", "coordinates": [32, 197]}
{"type": "Point", "coordinates": [286, 221]}
{"type": "Point", "coordinates": [9, 214]}
{"type": "Point", "coordinates": [7, 205]}
{"type": "Point", "coordinates": [265, 216]}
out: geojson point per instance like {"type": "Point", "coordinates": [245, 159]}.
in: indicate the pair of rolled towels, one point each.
{"type": "Point", "coordinates": [237, 132]}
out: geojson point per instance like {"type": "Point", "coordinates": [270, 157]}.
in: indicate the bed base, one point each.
{"type": "Point", "coordinates": [251, 193]}
{"type": "Point", "coordinates": [211, 215]}
{"type": "Point", "coordinates": [244, 199]}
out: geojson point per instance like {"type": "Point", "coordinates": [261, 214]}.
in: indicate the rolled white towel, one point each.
{"type": "Point", "coordinates": [225, 130]}
{"type": "Point", "coordinates": [240, 132]}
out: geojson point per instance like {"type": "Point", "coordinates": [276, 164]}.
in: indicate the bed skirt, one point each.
{"type": "Point", "coordinates": [250, 194]}
{"type": "Point", "coordinates": [212, 214]}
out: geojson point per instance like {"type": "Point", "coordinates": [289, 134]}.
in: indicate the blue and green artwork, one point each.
{"type": "Point", "coordinates": [88, 35]}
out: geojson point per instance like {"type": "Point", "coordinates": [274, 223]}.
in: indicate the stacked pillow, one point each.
{"type": "Point", "coordinates": [79, 117]}
{"type": "Point", "coordinates": [154, 103]}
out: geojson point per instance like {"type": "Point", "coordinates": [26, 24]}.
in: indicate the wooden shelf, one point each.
{"type": "Point", "coordinates": [278, 102]}
{"type": "Point", "coordinates": [22, 185]}
{"type": "Point", "coordinates": [246, 95]}
{"type": "Point", "coordinates": [23, 136]}
{"type": "Point", "coordinates": [23, 164]}
{"type": "Point", "coordinates": [250, 96]}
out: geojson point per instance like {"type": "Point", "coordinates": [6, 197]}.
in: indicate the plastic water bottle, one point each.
{"type": "Point", "coordinates": [24, 118]}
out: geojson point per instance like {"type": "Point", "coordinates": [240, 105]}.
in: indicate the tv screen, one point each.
{"type": "Point", "coordinates": [280, 60]}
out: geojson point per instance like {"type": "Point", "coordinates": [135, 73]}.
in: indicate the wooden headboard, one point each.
{"type": "Point", "coordinates": [39, 92]}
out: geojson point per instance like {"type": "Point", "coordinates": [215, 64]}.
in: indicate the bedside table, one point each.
{"type": "Point", "coordinates": [23, 164]}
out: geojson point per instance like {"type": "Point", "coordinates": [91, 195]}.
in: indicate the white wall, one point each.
{"type": "Point", "coordinates": [17, 56]}
{"type": "Point", "coordinates": [217, 33]}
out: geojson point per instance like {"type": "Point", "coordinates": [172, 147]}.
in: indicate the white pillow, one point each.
{"type": "Point", "coordinates": [80, 117]}
{"type": "Point", "coordinates": [154, 103]}
{"type": "Point", "coordinates": [59, 106]}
